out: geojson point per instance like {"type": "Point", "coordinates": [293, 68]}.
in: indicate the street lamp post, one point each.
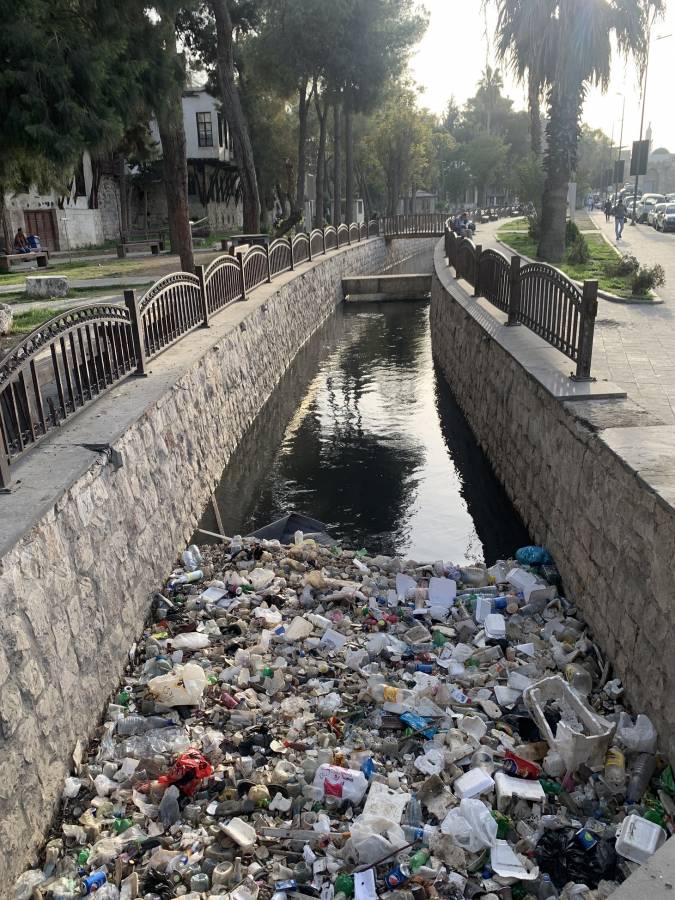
{"type": "Point", "coordinates": [642, 118]}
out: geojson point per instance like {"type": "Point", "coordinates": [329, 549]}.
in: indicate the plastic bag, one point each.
{"type": "Point", "coordinates": [534, 556]}
{"type": "Point", "coordinates": [182, 686]}
{"type": "Point", "coordinates": [470, 825]}
{"type": "Point", "coordinates": [190, 640]}
{"type": "Point", "coordinates": [636, 738]}
{"type": "Point", "coordinates": [26, 884]}
{"type": "Point", "coordinates": [159, 741]}
{"type": "Point", "coordinates": [188, 772]}
{"type": "Point", "coordinates": [559, 854]}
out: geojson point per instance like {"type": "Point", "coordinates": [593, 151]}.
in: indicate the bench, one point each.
{"type": "Point", "coordinates": [236, 240]}
{"type": "Point", "coordinates": [155, 247]}
{"type": "Point", "coordinates": [6, 259]}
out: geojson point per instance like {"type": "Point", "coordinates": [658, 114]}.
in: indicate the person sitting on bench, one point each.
{"type": "Point", "coordinates": [21, 244]}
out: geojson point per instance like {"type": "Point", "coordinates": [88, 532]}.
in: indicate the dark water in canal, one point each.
{"type": "Point", "coordinates": [364, 434]}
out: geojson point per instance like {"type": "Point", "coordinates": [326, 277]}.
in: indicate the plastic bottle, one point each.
{"type": "Point", "coordinates": [424, 833]}
{"type": "Point", "coordinates": [413, 812]}
{"type": "Point", "coordinates": [615, 770]}
{"type": "Point", "coordinates": [579, 678]}
{"type": "Point", "coordinates": [640, 776]}
{"type": "Point", "coordinates": [546, 888]}
{"type": "Point", "coordinates": [169, 811]}
{"type": "Point", "coordinates": [187, 578]}
{"type": "Point", "coordinates": [419, 859]}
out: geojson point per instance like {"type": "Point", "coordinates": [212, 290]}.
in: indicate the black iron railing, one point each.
{"type": "Point", "coordinates": [69, 361]}
{"type": "Point", "coordinates": [536, 295]}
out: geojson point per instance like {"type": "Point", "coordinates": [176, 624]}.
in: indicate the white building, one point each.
{"type": "Point", "coordinates": [90, 212]}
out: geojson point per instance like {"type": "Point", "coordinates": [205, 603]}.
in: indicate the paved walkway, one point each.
{"type": "Point", "coordinates": [634, 343]}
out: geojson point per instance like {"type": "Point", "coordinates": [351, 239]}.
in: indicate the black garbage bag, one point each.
{"type": "Point", "coordinates": [560, 855]}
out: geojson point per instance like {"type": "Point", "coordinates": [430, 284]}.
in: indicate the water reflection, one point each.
{"type": "Point", "coordinates": [363, 433]}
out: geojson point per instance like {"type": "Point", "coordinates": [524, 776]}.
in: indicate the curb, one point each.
{"type": "Point", "coordinates": [605, 295]}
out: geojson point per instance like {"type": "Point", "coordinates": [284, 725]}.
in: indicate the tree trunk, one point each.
{"type": "Point", "coordinates": [535, 116]}
{"type": "Point", "coordinates": [322, 116]}
{"type": "Point", "coordinates": [303, 109]}
{"type": "Point", "coordinates": [560, 161]}
{"type": "Point", "coordinates": [6, 233]}
{"type": "Point", "coordinates": [337, 165]}
{"type": "Point", "coordinates": [172, 136]}
{"type": "Point", "coordinates": [234, 114]}
{"type": "Point", "coordinates": [349, 158]}
{"type": "Point", "coordinates": [124, 204]}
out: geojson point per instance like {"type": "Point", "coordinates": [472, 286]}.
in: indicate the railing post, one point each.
{"type": "Point", "coordinates": [349, 233]}
{"type": "Point", "coordinates": [5, 477]}
{"type": "Point", "coordinates": [589, 310]}
{"type": "Point", "coordinates": [309, 247]}
{"type": "Point", "coordinates": [290, 240]}
{"type": "Point", "coordinates": [240, 257]}
{"type": "Point", "coordinates": [269, 265]}
{"type": "Point", "coordinates": [323, 235]}
{"type": "Point", "coordinates": [514, 292]}
{"type": "Point", "coordinates": [476, 270]}
{"type": "Point", "coordinates": [199, 272]}
{"type": "Point", "coordinates": [131, 301]}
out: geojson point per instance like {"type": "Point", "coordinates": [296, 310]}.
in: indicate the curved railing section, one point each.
{"type": "Point", "coordinates": [281, 259]}
{"type": "Point", "coordinates": [255, 267]}
{"type": "Point", "coordinates": [494, 275]}
{"type": "Point", "coordinates": [169, 309]}
{"type": "Point", "coordinates": [69, 361]}
{"type": "Point", "coordinates": [550, 305]}
{"type": "Point", "coordinates": [316, 242]}
{"type": "Point", "coordinates": [222, 283]}
{"type": "Point", "coordinates": [58, 370]}
{"type": "Point", "coordinates": [536, 295]}
{"type": "Point", "coordinates": [331, 238]}
{"type": "Point", "coordinates": [300, 248]}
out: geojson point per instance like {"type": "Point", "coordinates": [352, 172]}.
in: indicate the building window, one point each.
{"type": "Point", "coordinates": [220, 130]}
{"type": "Point", "coordinates": [204, 129]}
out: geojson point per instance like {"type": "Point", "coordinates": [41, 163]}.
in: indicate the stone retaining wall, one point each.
{"type": "Point", "coordinates": [75, 588]}
{"type": "Point", "coordinates": [611, 532]}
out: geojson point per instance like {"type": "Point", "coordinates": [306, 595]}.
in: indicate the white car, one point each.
{"type": "Point", "coordinates": [646, 203]}
{"type": "Point", "coordinates": [653, 213]}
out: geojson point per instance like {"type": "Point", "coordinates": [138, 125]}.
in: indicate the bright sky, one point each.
{"type": "Point", "coordinates": [453, 53]}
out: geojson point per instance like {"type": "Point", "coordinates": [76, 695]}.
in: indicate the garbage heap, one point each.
{"type": "Point", "coordinates": [309, 722]}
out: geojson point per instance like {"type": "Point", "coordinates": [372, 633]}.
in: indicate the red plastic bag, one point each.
{"type": "Point", "coordinates": [187, 772]}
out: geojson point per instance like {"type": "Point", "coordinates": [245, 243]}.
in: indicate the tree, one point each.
{"type": "Point", "coordinates": [569, 46]}
{"type": "Point", "coordinates": [485, 156]}
{"type": "Point", "coordinates": [232, 109]}
{"type": "Point", "coordinates": [72, 79]}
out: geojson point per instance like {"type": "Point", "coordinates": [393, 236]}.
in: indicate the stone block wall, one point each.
{"type": "Point", "coordinates": [76, 588]}
{"type": "Point", "coordinates": [612, 535]}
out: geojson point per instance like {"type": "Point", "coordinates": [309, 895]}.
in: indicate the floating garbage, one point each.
{"type": "Point", "coordinates": [304, 721]}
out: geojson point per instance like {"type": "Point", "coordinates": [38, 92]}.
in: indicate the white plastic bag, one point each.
{"type": "Point", "coordinates": [334, 781]}
{"type": "Point", "coordinates": [470, 825]}
{"type": "Point", "coordinates": [182, 686]}
{"type": "Point", "coordinates": [639, 737]}
{"type": "Point", "coordinates": [190, 640]}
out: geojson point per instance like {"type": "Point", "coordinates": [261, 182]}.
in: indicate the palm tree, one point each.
{"type": "Point", "coordinates": [488, 93]}
{"type": "Point", "coordinates": [566, 46]}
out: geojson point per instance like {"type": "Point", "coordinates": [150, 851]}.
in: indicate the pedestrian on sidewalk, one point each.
{"type": "Point", "coordinates": [620, 213]}
{"type": "Point", "coordinates": [608, 209]}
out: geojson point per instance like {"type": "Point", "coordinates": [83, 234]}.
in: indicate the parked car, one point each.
{"type": "Point", "coordinates": [646, 202]}
{"type": "Point", "coordinates": [666, 218]}
{"type": "Point", "coordinates": [653, 213]}
{"type": "Point", "coordinates": [670, 198]}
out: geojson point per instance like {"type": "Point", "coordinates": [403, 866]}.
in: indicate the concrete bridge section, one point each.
{"type": "Point", "coordinates": [387, 287]}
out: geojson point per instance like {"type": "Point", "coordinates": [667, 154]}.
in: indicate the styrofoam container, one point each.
{"type": "Point", "coordinates": [483, 609]}
{"type": "Point", "coordinates": [473, 783]}
{"type": "Point", "coordinates": [638, 838]}
{"type": "Point", "coordinates": [508, 787]}
{"type": "Point", "coordinates": [576, 748]}
{"type": "Point", "coordinates": [495, 626]}
{"type": "Point", "coordinates": [384, 803]}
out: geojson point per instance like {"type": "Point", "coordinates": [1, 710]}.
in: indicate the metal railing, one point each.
{"type": "Point", "coordinates": [536, 295]}
{"type": "Point", "coordinates": [57, 371]}
{"type": "Point", "coordinates": [69, 361]}
{"type": "Point", "coordinates": [425, 224]}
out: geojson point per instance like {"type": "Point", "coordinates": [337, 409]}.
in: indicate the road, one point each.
{"type": "Point", "coordinates": [634, 344]}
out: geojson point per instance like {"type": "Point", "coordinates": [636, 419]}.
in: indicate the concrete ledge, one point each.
{"type": "Point", "coordinates": [399, 287]}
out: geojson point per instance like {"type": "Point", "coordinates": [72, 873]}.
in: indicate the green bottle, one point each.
{"type": "Point", "coordinates": [440, 640]}
{"type": "Point", "coordinates": [551, 787]}
{"type": "Point", "coordinates": [344, 884]}
{"type": "Point", "coordinates": [503, 824]}
{"type": "Point", "coordinates": [417, 860]}
{"type": "Point", "coordinates": [82, 857]}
